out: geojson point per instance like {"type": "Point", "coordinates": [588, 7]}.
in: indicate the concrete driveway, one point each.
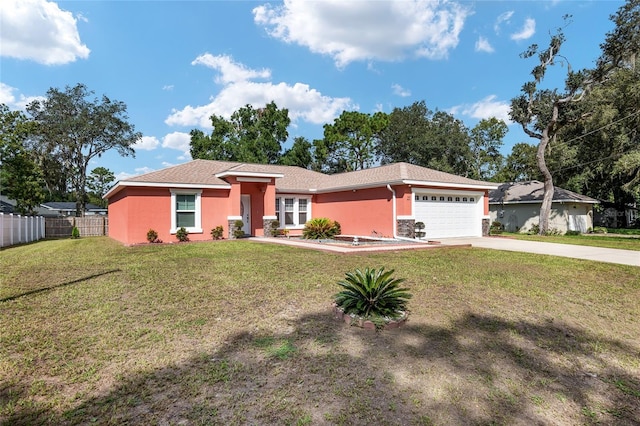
{"type": "Point", "coordinates": [623, 257]}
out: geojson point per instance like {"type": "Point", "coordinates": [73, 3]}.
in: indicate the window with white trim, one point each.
{"type": "Point", "coordinates": [186, 211]}
{"type": "Point", "coordinates": [302, 210]}
{"type": "Point", "coordinates": [293, 211]}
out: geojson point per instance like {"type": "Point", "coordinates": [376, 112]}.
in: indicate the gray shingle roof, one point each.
{"type": "Point", "coordinates": [533, 192]}
{"type": "Point", "coordinates": [298, 180]}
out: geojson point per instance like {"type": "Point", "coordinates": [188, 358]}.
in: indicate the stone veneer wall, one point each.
{"type": "Point", "coordinates": [406, 228]}
{"type": "Point", "coordinates": [231, 224]}
{"type": "Point", "coordinates": [486, 223]}
{"type": "Point", "coordinates": [266, 225]}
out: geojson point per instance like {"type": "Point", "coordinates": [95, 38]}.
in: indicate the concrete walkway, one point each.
{"type": "Point", "coordinates": [622, 257]}
{"type": "Point", "coordinates": [599, 254]}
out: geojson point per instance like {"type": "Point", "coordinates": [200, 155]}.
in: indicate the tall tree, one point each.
{"type": "Point", "coordinates": [542, 112]}
{"type": "Point", "coordinates": [20, 176]}
{"type": "Point", "coordinates": [98, 183]}
{"type": "Point", "coordinates": [250, 135]}
{"type": "Point", "coordinates": [485, 143]}
{"type": "Point", "coordinates": [419, 136]}
{"type": "Point", "coordinates": [520, 165]}
{"type": "Point", "coordinates": [74, 129]}
{"type": "Point", "coordinates": [299, 154]}
{"type": "Point", "coordinates": [351, 141]}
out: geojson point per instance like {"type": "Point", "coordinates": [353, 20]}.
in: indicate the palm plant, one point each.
{"type": "Point", "coordinates": [372, 293]}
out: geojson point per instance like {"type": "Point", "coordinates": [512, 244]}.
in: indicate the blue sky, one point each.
{"type": "Point", "coordinates": [174, 63]}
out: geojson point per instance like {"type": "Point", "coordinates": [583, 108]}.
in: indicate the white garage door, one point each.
{"type": "Point", "coordinates": [449, 215]}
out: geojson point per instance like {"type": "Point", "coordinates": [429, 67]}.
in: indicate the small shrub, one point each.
{"type": "Point", "coordinates": [274, 228]}
{"type": "Point", "coordinates": [535, 229]}
{"type": "Point", "coordinates": [217, 232]}
{"type": "Point", "coordinates": [182, 235]}
{"type": "Point", "coordinates": [572, 233]}
{"type": "Point", "coordinates": [75, 233]}
{"type": "Point", "coordinates": [372, 294]}
{"type": "Point", "coordinates": [237, 229]}
{"type": "Point", "coordinates": [496, 228]}
{"type": "Point", "coordinates": [320, 227]}
{"type": "Point", "coordinates": [599, 230]}
{"type": "Point", "coordinates": [152, 236]}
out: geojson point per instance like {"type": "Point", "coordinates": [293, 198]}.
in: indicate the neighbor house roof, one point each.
{"type": "Point", "coordinates": [533, 192]}
{"type": "Point", "coordinates": [211, 174]}
{"type": "Point", "coordinates": [68, 206]}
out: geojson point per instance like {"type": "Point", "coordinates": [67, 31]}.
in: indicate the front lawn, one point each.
{"type": "Point", "coordinates": [631, 242]}
{"type": "Point", "coordinates": [237, 332]}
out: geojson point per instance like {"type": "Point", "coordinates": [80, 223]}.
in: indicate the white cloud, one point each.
{"type": "Point", "coordinates": [20, 103]}
{"type": "Point", "coordinates": [400, 91]}
{"type": "Point", "coordinates": [147, 143]}
{"type": "Point", "coordinates": [303, 102]}
{"type": "Point", "coordinates": [485, 108]}
{"type": "Point", "coordinates": [483, 45]}
{"type": "Point", "coordinates": [230, 71]}
{"type": "Point", "coordinates": [167, 87]}
{"type": "Point", "coordinates": [528, 30]}
{"type": "Point", "coordinates": [351, 31]}
{"type": "Point", "coordinates": [40, 31]}
{"type": "Point", "coordinates": [177, 140]}
{"type": "Point", "coordinates": [502, 18]}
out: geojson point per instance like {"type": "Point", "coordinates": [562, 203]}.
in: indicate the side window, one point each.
{"type": "Point", "coordinates": [302, 211]}
{"type": "Point", "coordinates": [288, 211]}
{"type": "Point", "coordinates": [185, 210]}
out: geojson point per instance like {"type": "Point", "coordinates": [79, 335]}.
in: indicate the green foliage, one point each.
{"type": "Point", "coordinates": [496, 228]}
{"type": "Point", "coordinates": [98, 183]}
{"type": "Point", "coordinates": [351, 142]}
{"type": "Point", "coordinates": [217, 233]}
{"type": "Point", "coordinates": [372, 293]}
{"type": "Point", "coordinates": [20, 176]}
{"type": "Point", "coordinates": [152, 236]}
{"type": "Point", "coordinates": [572, 233]}
{"type": "Point", "coordinates": [599, 230]}
{"type": "Point", "coordinates": [320, 227]}
{"type": "Point", "coordinates": [71, 130]}
{"type": "Point", "coordinates": [417, 135]}
{"type": "Point", "coordinates": [274, 228]}
{"type": "Point", "coordinates": [299, 154]}
{"type": "Point", "coordinates": [485, 143]}
{"type": "Point", "coordinates": [250, 135]}
{"type": "Point", "coordinates": [237, 229]}
{"type": "Point", "coordinates": [182, 235]}
{"type": "Point", "coordinates": [75, 233]}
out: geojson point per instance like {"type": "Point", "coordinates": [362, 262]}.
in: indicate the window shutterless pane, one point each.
{"type": "Point", "coordinates": [185, 202]}
{"type": "Point", "coordinates": [302, 218]}
{"type": "Point", "coordinates": [288, 204]}
{"type": "Point", "coordinates": [186, 219]}
{"type": "Point", "coordinates": [288, 218]}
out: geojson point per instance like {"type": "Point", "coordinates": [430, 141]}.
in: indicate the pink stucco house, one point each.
{"type": "Point", "coordinates": [382, 201]}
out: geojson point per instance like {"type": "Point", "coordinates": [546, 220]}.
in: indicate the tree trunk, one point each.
{"type": "Point", "coordinates": [547, 199]}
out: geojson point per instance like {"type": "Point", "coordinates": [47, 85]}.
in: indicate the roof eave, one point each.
{"type": "Point", "coordinates": [123, 184]}
{"type": "Point", "coordinates": [451, 185]}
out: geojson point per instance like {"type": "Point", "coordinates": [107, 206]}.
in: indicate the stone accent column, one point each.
{"type": "Point", "coordinates": [266, 224]}
{"type": "Point", "coordinates": [486, 224]}
{"type": "Point", "coordinates": [231, 222]}
{"type": "Point", "coordinates": [406, 228]}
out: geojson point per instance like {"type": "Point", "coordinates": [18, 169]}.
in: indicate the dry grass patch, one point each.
{"type": "Point", "coordinates": [242, 333]}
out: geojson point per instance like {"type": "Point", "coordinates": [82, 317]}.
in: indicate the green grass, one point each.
{"type": "Point", "coordinates": [238, 332]}
{"type": "Point", "coordinates": [593, 240]}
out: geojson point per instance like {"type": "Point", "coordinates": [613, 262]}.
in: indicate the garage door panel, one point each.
{"type": "Point", "coordinates": [448, 219]}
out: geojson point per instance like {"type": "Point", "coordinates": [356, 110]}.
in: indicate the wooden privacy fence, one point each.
{"type": "Point", "coordinates": [17, 229]}
{"type": "Point", "coordinates": [89, 226]}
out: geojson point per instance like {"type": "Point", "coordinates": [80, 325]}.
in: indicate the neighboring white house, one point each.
{"type": "Point", "coordinates": [517, 206]}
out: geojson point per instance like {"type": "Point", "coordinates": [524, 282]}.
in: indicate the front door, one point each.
{"type": "Point", "coordinates": [245, 212]}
